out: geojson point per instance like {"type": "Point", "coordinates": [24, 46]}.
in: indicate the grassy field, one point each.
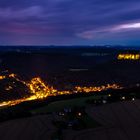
{"type": "Point", "coordinates": [59, 105]}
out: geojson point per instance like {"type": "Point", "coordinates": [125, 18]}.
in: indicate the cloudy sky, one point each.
{"type": "Point", "coordinates": [69, 22]}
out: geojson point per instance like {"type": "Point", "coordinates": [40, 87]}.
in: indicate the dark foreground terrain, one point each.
{"type": "Point", "coordinates": [119, 121]}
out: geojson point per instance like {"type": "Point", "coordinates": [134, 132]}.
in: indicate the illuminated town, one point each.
{"type": "Point", "coordinates": [40, 90]}
{"type": "Point", "coordinates": [129, 56]}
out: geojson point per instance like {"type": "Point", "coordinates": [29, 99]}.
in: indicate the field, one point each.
{"type": "Point", "coordinates": [119, 121]}
{"type": "Point", "coordinates": [59, 105]}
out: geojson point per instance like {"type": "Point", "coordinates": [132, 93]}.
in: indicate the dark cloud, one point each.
{"type": "Point", "coordinates": [67, 21]}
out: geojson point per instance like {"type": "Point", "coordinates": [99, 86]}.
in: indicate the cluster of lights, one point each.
{"type": "Point", "coordinates": [12, 75]}
{"type": "Point", "coordinates": [129, 57]}
{"type": "Point", "coordinates": [18, 101]}
{"type": "Point", "coordinates": [96, 89]}
{"type": "Point", "coordinates": [40, 90]}
{"type": "Point", "coordinates": [2, 77]}
{"type": "Point", "coordinates": [9, 88]}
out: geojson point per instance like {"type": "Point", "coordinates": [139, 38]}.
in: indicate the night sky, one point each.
{"type": "Point", "coordinates": [69, 22]}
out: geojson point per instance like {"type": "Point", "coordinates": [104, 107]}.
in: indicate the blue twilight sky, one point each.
{"type": "Point", "coordinates": [69, 22]}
